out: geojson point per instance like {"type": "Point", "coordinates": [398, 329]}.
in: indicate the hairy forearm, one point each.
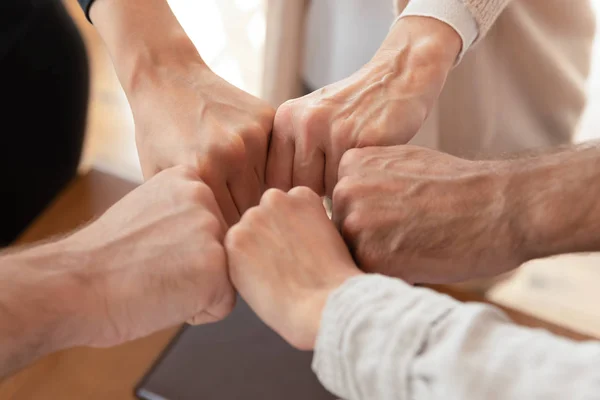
{"type": "Point", "coordinates": [37, 297]}
{"type": "Point", "coordinates": [144, 39]}
{"type": "Point", "coordinates": [555, 201]}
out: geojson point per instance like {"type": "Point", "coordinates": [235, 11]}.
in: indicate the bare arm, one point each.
{"type": "Point", "coordinates": [184, 113]}
{"type": "Point", "coordinates": [144, 38]}
{"type": "Point", "coordinates": [117, 279]}
{"type": "Point", "coordinates": [555, 199]}
{"type": "Point", "coordinates": [39, 287]}
{"type": "Point", "coordinates": [443, 219]}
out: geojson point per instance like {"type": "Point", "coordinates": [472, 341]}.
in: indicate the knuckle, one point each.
{"type": "Point", "coordinates": [353, 225]}
{"type": "Point", "coordinates": [273, 198]}
{"type": "Point", "coordinates": [199, 193]}
{"type": "Point", "coordinates": [304, 192]}
{"type": "Point", "coordinates": [235, 238]}
{"type": "Point", "coordinates": [223, 300]}
{"type": "Point", "coordinates": [343, 191]}
{"type": "Point", "coordinates": [254, 130]}
{"type": "Point", "coordinates": [349, 161]}
{"type": "Point", "coordinates": [268, 115]}
{"type": "Point", "coordinates": [231, 151]}
{"type": "Point", "coordinates": [211, 224]}
{"type": "Point", "coordinates": [284, 115]}
{"type": "Point", "coordinates": [311, 123]}
{"type": "Point", "coordinates": [185, 171]}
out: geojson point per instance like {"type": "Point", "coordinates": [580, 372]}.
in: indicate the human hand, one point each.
{"type": "Point", "coordinates": [153, 260]}
{"type": "Point", "coordinates": [427, 217]}
{"type": "Point", "coordinates": [196, 118]}
{"type": "Point", "coordinates": [385, 103]}
{"type": "Point", "coordinates": [285, 257]}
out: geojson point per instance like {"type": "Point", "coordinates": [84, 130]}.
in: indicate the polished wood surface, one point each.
{"type": "Point", "coordinates": [101, 374]}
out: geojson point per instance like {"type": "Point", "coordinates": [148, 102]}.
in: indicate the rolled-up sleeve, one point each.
{"type": "Point", "coordinates": [383, 339]}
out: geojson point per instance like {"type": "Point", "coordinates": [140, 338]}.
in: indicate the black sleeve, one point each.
{"type": "Point", "coordinates": [86, 4]}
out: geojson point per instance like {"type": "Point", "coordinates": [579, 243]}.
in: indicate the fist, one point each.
{"type": "Point", "coordinates": [285, 257]}
{"type": "Point", "coordinates": [424, 216]}
{"type": "Point", "coordinates": [385, 103]}
{"type": "Point", "coordinates": [157, 260]}
{"type": "Point", "coordinates": [202, 121]}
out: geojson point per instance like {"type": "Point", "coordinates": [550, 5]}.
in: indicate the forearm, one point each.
{"type": "Point", "coordinates": [380, 338]}
{"type": "Point", "coordinates": [37, 297]}
{"type": "Point", "coordinates": [144, 39]}
{"type": "Point", "coordinates": [554, 201]}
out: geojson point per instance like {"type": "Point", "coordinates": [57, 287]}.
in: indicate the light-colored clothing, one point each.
{"type": "Point", "coordinates": [343, 35]}
{"type": "Point", "coordinates": [521, 85]}
{"type": "Point", "coordinates": [381, 339]}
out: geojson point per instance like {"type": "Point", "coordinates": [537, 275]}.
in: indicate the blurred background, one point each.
{"type": "Point", "coordinates": [230, 35]}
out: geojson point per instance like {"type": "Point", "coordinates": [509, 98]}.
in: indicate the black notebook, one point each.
{"type": "Point", "coordinates": [237, 358]}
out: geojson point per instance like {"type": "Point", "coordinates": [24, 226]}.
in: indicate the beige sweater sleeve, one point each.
{"type": "Point", "coordinates": [485, 12]}
{"type": "Point", "coordinates": [383, 339]}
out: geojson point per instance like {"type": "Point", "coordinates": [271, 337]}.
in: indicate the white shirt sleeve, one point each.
{"type": "Point", "coordinates": [452, 12]}
{"type": "Point", "coordinates": [381, 339]}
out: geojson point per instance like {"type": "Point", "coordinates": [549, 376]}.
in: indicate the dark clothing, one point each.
{"type": "Point", "coordinates": [85, 4]}
{"type": "Point", "coordinates": [44, 85]}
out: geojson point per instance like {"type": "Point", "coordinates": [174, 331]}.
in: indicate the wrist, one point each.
{"type": "Point", "coordinates": [422, 41]}
{"type": "Point", "coordinates": [144, 39]}
{"type": "Point", "coordinates": [153, 68]}
{"type": "Point", "coordinates": [315, 306]}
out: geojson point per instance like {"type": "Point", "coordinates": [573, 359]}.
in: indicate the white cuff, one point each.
{"type": "Point", "coordinates": [452, 12]}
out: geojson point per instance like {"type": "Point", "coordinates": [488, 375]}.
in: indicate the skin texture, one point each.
{"type": "Point", "coordinates": [184, 113]}
{"type": "Point", "coordinates": [383, 104]}
{"type": "Point", "coordinates": [285, 257]}
{"type": "Point", "coordinates": [428, 217]}
{"type": "Point", "coordinates": [153, 260]}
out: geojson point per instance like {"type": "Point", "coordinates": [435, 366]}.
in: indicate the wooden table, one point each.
{"type": "Point", "coordinates": [102, 374]}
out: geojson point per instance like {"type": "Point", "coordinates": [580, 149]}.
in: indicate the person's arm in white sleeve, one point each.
{"type": "Point", "coordinates": [483, 13]}
{"type": "Point", "coordinates": [383, 339]}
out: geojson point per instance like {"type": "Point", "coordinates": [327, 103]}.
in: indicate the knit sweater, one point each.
{"type": "Point", "coordinates": [381, 339]}
{"type": "Point", "coordinates": [485, 12]}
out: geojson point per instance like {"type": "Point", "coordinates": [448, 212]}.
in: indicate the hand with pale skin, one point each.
{"type": "Point", "coordinates": [219, 130]}
{"type": "Point", "coordinates": [384, 103]}
{"type": "Point", "coordinates": [285, 258]}
{"type": "Point", "coordinates": [184, 113]}
{"type": "Point", "coordinates": [152, 261]}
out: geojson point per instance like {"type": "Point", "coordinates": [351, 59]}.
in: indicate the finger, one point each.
{"type": "Point", "coordinates": [245, 189]}
{"type": "Point", "coordinates": [340, 204]}
{"type": "Point", "coordinates": [305, 195]}
{"type": "Point", "coordinates": [309, 166]}
{"type": "Point", "coordinates": [332, 164]}
{"type": "Point", "coordinates": [257, 147]}
{"type": "Point", "coordinates": [226, 203]}
{"type": "Point", "coordinates": [217, 312]}
{"type": "Point", "coordinates": [280, 159]}
{"type": "Point", "coordinates": [215, 210]}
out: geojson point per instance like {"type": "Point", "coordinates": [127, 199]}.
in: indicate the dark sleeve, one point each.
{"type": "Point", "coordinates": [86, 4]}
